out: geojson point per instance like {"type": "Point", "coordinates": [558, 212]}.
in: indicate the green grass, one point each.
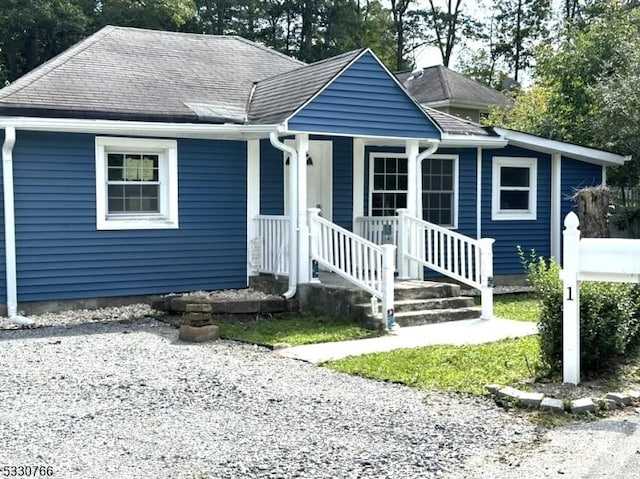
{"type": "Point", "coordinates": [521, 307]}
{"type": "Point", "coordinates": [450, 368]}
{"type": "Point", "coordinates": [294, 330]}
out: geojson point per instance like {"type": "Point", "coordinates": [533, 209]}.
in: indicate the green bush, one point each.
{"type": "Point", "coordinates": [609, 316]}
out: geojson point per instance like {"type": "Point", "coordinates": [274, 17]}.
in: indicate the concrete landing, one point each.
{"type": "Point", "coordinates": [470, 331]}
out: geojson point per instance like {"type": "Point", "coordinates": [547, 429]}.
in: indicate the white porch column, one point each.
{"type": "Point", "coordinates": [556, 208]}
{"type": "Point", "coordinates": [302, 147]}
{"type": "Point", "coordinates": [253, 201]}
{"type": "Point", "coordinates": [479, 193]}
{"type": "Point", "coordinates": [358, 182]}
{"type": "Point", "coordinates": [412, 149]}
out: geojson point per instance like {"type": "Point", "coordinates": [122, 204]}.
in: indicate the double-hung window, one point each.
{"type": "Point", "coordinates": [136, 183]}
{"type": "Point", "coordinates": [514, 188]}
{"type": "Point", "coordinates": [439, 190]}
{"type": "Point", "coordinates": [389, 181]}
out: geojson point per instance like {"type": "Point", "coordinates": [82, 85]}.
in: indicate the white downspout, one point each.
{"type": "Point", "coordinates": [10, 228]}
{"type": "Point", "coordinates": [479, 193]}
{"type": "Point", "coordinates": [293, 213]}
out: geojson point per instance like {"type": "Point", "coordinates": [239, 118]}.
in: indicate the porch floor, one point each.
{"type": "Point", "coordinates": [470, 331]}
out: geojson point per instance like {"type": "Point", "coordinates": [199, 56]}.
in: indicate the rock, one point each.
{"type": "Point", "coordinates": [273, 305]}
{"type": "Point", "coordinates": [198, 334]}
{"type": "Point", "coordinates": [197, 319]}
{"type": "Point", "coordinates": [493, 388]}
{"type": "Point", "coordinates": [530, 399]}
{"type": "Point", "coordinates": [619, 398]}
{"type": "Point", "coordinates": [634, 395]}
{"type": "Point", "coordinates": [610, 404]}
{"type": "Point", "coordinates": [509, 393]}
{"type": "Point", "coordinates": [199, 308]}
{"type": "Point", "coordinates": [243, 306]}
{"type": "Point", "coordinates": [552, 404]}
{"type": "Point", "coordinates": [579, 406]}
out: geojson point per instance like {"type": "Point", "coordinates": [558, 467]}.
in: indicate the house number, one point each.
{"type": "Point", "coordinates": [569, 298]}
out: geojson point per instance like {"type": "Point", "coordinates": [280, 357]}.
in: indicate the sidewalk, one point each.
{"type": "Point", "coordinates": [470, 331]}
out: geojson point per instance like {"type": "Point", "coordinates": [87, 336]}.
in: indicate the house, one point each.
{"type": "Point", "coordinates": [443, 89]}
{"type": "Point", "coordinates": [142, 162]}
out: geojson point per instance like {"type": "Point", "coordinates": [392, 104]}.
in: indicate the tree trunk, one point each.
{"type": "Point", "coordinates": [593, 211]}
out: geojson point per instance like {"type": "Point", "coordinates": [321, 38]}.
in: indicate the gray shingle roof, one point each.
{"type": "Point", "coordinates": [127, 73]}
{"type": "Point", "coordinates": [439, 83]}
{"type": "Point", "coordinates": [453, 125]}
{"type": "Point", "coordinates": [276, 98]}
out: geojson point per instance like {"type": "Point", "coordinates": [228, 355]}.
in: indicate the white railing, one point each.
{"type": "Point", "coordinates": [464, 259]}
{"type": "Point", "coordinates": [378, 229]}
{"type": "Point", "coordinates": [359, 261]}
{"type": "Point", "coordinates": [272, 244]}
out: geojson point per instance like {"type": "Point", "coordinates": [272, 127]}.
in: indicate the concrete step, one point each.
{"type": "Point", "coordinates": [415, 289]}
{"type": "Point", "coordinates": [407, 305]}
{"type": "Point", "coordinates": [417, 318]}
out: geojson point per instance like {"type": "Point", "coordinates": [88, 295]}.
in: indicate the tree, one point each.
{"type": "Point", "coordinates": [399, 9]}
{"type": "Point", "coordinates": [520, 25]}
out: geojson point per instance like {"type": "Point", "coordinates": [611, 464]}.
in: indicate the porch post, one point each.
{"type": "Point", "coordinates": [302, 147]}
{"type": "Point", "coordinates": [412, 149]}
{"type": "Point", "coordinates": [556, 206]}
{"type": "Point", "coordinates": [253, 203]}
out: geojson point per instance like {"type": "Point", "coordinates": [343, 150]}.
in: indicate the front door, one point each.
{"type": "Point", "coordinates": [319, 177]}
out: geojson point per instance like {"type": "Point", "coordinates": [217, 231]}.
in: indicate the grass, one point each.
{"type": "Point", "coordinates": [293, 329]}
{"type": "Point", "coordinates": [450, 368]}
{"type": "Point", "coordinates": [521, 307]}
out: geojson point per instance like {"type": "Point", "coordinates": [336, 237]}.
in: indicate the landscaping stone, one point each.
{"type": "Point", "coordinates": [610, 404]}
{"type": "Point", "coordinates": [242, 307]}
{"type": "Point", "coordinates": [583, 405]}
{"type": "Point", "coordinates": [530, 399]}
{"type": "Point", "coordinates": [619, 398]}
{"type": "Point", "coordinates": [199, 308]}
{"type": "Point", "coordinates": [634, 395]}
{"type": "Point", "coordinates": [197, 319]}
{"type": "Point", "coordinates": [274, 305]}
{"type": "Point", "coordinates": [509, 393]}
{"type": "Point", "coordinates": [493, 388]}
{"type": "Point", "coordinates": [552, 404]}
{"type": "Point", "coordinates": [161, 303]}
{"type": "Point", "coordinates": [194, 334]}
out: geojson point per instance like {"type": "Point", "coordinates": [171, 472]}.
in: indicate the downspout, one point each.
{"type": "Point", "coordinates": [10, 228]}
{"type": "Point", "coordinates": [293, 213]}
{"type": "Point", "coordinates": [423, 155]}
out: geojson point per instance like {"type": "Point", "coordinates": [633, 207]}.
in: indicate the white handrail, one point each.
{"type": "Point", "coordinates": [273, 244]}
{"type": "Point", "coordinates": [464, 259]}
{"type": "Point", "coordinates": [361, 262]}
{"type": "Point", "coordinates": [379, 229]}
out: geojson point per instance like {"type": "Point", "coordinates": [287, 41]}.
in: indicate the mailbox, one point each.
{"type": "Point", "coordinates": [609, 259]}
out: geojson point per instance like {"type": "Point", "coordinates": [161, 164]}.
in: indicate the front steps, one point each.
{"type": "Point", "coordinates": [425, 302]}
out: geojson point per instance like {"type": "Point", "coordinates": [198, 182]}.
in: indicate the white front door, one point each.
{"type": "Point", "coordinates": [319, 165]}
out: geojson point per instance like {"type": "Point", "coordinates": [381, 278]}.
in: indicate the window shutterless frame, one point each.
{"type": "Point", "coordinates": [514, 188]}
{"type": "Point", "coordinates": [136, 183]}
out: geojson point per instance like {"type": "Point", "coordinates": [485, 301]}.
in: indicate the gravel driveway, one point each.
{"type": "Point", "coordinates": [127, 400]}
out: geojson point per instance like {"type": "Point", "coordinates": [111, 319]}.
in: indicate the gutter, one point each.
{"type": "Point", "coordinates": [472, 141]}
{"type": "Point", "coordinates": [10, 229]}
{"type": "Point", "coordinates": [293, 213]}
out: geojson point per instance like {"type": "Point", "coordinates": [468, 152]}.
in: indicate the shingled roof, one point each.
{"type": "Point", "coordinates": [277, 97]}
{"type": "Point", "coordinates": [133, 74]}
{"type": "Point", "coordinates": [439, 83]}
{"type": "Point", "coordinates": [453, 125]}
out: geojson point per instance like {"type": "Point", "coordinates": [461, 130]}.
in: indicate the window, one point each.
{"type": "Point", "coordinates": [514, 189]}
{"type": "Point", "coordinates": [439, 190]}
{"type": "Point", "coordinates": [136, 183]}
{"type": "Point", "coordinates": [388, 184]}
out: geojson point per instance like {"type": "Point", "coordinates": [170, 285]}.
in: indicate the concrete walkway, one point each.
{"type": "Point", "coordinates": [470, 331]}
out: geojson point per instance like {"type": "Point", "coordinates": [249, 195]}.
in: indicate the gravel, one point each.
{"type": "Point", "coordinates": [123, 398]}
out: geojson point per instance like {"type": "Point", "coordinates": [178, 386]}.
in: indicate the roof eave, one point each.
{"type": "Point", "coordinates": [138, 128]}
{"type": "Point", "coordinates": [577, 152]}
{"type": "Point", "coordinates": [450, 140]}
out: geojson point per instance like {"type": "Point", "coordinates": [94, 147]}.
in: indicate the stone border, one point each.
{"type": "Point", "coordinates": [611, 401]}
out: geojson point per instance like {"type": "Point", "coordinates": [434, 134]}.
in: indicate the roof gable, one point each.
{"type": "Point", "coordinates": [364, 99]}
{"type": "Point", "coordinates": [134, 74]}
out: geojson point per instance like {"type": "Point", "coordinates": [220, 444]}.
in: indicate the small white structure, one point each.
{"type": "Point", "coordinates": [593, 259]}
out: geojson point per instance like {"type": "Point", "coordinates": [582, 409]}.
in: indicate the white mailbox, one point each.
{"type": "Point", "coordinates": [609, 259]}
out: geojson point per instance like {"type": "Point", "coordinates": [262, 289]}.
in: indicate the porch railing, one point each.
{"type": "Point", "coordinates": [464, 259]}
{"type": "Point", "coordinates": [361, 262]}
{"type": "Point", "coordinates": [272, 244]}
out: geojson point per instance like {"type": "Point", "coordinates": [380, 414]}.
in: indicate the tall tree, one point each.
{"type": "Point", "coordinates": [521, 25]}
{"type": "Point", "coordinates": [399, 10]}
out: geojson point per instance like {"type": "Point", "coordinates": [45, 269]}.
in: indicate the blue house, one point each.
{"type": "Point", "coordinates": [143, 162]}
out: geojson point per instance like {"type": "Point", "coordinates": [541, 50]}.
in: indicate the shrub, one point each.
{"type": "Point", "coordinates": [609, 316]}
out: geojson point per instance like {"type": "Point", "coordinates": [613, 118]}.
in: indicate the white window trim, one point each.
{"type": "Point", "coordinates": [456, 176]}
{"type": "Point", "coordinates": [372, 157]}
{"type": "Point", "coordinates": [168, 175]}
{"type": "Point", "coordinates": [508, 215]}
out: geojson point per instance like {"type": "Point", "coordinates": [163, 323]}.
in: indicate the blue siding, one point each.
{"type": "Point", "coordinates": [364, 100]}
{"type": "Point", "coordinates": [575, 175]}
{"type": "Point", "coordinates": [271, 180]}
{"type": "Point", "coordinates": [61, 255]}
{"type": "Point", "coordinates": [510, 234]}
